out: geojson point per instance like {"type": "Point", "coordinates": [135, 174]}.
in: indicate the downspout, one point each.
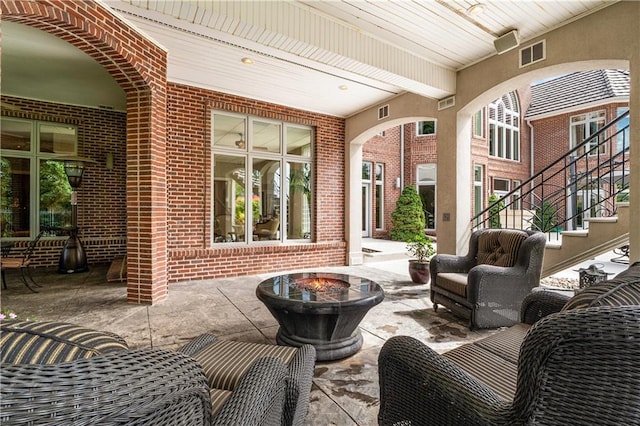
{"type": "Point", "coordinates": [532, 165]}
{"type": "Point", "coordinates": [401, 156]}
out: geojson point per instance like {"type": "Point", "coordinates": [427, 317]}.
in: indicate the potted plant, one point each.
{"type": "Point", "coordinates": [421, 248]}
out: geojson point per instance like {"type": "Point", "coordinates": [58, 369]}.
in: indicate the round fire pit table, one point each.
{"type": "Point", "coordinates": [320, 309]}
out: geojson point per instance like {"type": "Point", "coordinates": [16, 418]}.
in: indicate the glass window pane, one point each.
{"type": "Point", "coordinates": [16, 134]}
{"type": "Point", "coordinates": [55, 196]}
{"type": "Point", "coordinates": [366, 170]}
{"type": "Point", "coordinates": [15, 197]}
{"type": "Point", "coordinates": [426, 173]}
{"type": "Point", "coordinates": [58, 139]}
{"type": "Point", "coordinates": [266, 136]}
{"type": "Point", "coordinates": [266, 193]}
{"type": "Point", "coordinates": [298, 201]}
{"type": "Point", "coordinates": [229, 198]}
{"type": "Point", "coordinates": [229, 131]}
{"type": "Point", "coordinates": [379, 172]}
{"type": "Point", "coordinates": [298, 141]}
{"type": "Point", "coordinates": [426, 127]}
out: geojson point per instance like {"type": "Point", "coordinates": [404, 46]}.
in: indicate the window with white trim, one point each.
{"type": "Point", "coordinates": [478, 123]}
{"type": "Point", "coordinates": [34, 190]}
{"type": "Point", "coordinates": [426, 128]}
{"type": "Point", "coordinates": [262, 180]}
{"type": "Point", "coordinates": [504, 127]}
{"type": "Point", "coordinates": [379, 196]}
{"type": "Point", "coordinates": [583, 126]}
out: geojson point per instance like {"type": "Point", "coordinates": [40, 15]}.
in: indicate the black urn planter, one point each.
{"type": "Point", "coordinates": [419, 271]}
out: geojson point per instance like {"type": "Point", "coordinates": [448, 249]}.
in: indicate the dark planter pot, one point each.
{"type": "Point", "coordinates": [419, 272]}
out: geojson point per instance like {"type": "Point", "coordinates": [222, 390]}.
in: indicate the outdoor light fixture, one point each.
{"type": "Point", "coordinates": [73, 257]}
{"type": "Point", "coordinates": [240, 143]}
{"type": "Point", "coordinates": [475, 9]}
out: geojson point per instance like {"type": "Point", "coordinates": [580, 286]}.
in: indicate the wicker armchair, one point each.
{"type": "Point", "coordinates": [63, 374]}
{"type": "Point", "coordinates": [487, 285]}
{"type": "Point", "coordinates": [578, 364]}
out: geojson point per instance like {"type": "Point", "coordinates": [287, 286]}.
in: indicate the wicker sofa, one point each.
{"type": "Point", "coordinates": [570, 361]}
{"type": "Point", "coordinates": [488, 284]}
{"type": "Point", "coordinates": [59, 373]}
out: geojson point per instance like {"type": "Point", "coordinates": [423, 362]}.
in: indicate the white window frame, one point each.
{"type": "Point", "coordinates": [248, 152]}
{"type": "Point", "coordinates": [586, 119]}
{"type": "Point", "coordinates": [419, 128]}
{"type": "Point", "coordinates": [504, 127]}
{"type": "Point", "coordinates": [478, 124]}
{"type": "Point", "coordinates": [35, 157]}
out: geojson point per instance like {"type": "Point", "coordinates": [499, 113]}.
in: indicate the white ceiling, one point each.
{"type": "Point", "coordinates": [305, 53]}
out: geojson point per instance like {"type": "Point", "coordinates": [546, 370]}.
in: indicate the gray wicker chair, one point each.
{"type": "Point", "coordinates": [488, 285]}
{"type": "Point", "coordinates": [577, 364]}
{"type": "Point", "coordinates": [57, 373]}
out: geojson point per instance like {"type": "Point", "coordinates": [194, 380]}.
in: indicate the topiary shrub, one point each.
{"type": "Point", "coordinates": [407, 221]}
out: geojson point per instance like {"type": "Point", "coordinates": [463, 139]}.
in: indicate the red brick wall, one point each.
{"type": "Point", "coordinates": [101, 198]}
{"type": "Point", "coordinates": [384, 150]}
{"type": "Point", "coordinates": [188, 188]}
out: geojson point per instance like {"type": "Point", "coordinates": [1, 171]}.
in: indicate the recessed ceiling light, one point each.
{"type": "Point", "coordinates": [247, 61]}
{"type": "Point", "coordinates": [475, 9]}
{"type": "Point", "coordinates": [343, 87]}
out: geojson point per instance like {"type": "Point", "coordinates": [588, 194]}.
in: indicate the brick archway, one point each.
{"type": "Point", "coordinates": [139, 67]}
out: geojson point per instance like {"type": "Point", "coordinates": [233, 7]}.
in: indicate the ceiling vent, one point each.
{"type": "Point", "coordinates": [383, 112]}
{"type": "Point", "coordinates": [506, 42]}
{"type": "Point", "coordinates": [446, 103]}
{"type": "Point", "coordinates": [533, 53]}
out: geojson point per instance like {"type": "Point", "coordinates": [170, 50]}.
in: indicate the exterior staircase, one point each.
{"type": "Point", "coordinates": [572, 247]}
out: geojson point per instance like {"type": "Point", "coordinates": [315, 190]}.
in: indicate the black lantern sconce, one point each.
{"type": "Point", "coordinates": [73, 257]}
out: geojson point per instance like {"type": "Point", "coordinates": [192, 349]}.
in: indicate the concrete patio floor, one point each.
{"type": "Point", "coordinates": [344, 392]}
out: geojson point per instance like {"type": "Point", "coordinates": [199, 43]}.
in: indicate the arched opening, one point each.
{"type": "Point", "coordinates": [142, 81]}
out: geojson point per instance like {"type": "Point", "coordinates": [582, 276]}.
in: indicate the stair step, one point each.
{"type": "Point", "coordinates": [609, 219]}
{"type": "Point", "coordinates": [579, 233]}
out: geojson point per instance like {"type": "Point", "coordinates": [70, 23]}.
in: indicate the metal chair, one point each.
{"type": "Point", "coordinates": [22, 263]}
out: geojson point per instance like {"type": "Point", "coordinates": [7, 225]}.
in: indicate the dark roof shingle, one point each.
{"type": "Point", "coordinates": [576, 89]}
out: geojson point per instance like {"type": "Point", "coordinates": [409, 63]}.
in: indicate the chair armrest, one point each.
{"type": "Point", "coordinates": [486, 281]}
{"type": "Point", "coordinates": [259, 397]}
{"type": "Point", "coordinates": [450, 263]}
{"type": "Point", "coordinates": [149, 386]}
{"type": "Point", "coordinates": [539, 304]}
{"type": "Point", "coordinates": [420, 387]}
{"type": "Point", "coordinates": [197, 343]}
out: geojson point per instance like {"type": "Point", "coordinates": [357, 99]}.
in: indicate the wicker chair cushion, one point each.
{"type": "Point", "coordinates": [454, 282]}
{"type": "Point", "coordinates": [488, 368]}
{"type": "Point", "coordinates": [226, 361]}
{"type": "Point", "coordinates": [622, 290]}
{"type": "Point", "coordinates": [28, 342]}
{"type": "Point", "coordinates": [218, 398]}
{"type": "Point", "coordinates": [500, 248]}
{"type": "Point", "coordinates": [506, 343]}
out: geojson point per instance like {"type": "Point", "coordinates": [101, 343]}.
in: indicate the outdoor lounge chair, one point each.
{"type": "Point", "coordinates": [69, 374]}
{"type": "Point", "coordinates": [488, 284]}
{"type": "Point", "coordinates": [569, 362]}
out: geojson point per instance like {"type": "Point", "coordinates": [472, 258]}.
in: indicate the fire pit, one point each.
{"type": "Point", "coordinates": [321, 309]}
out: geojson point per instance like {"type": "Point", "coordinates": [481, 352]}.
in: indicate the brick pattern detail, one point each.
{"type": "Point", "coordinates": [101, 198]}
{"type": "Point", "coordinates": [189, 190]}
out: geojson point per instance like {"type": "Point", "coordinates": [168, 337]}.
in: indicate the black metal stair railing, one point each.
{"type": "Point", "coordinates": [585, 182]}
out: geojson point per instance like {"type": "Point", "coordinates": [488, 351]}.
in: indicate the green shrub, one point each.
{"type": "Point", "coordinates": [494, 211]}
{"type": "Point", "coordinates": [545, 218]}
{"type": "Point", "coordinates": [407, 221]}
